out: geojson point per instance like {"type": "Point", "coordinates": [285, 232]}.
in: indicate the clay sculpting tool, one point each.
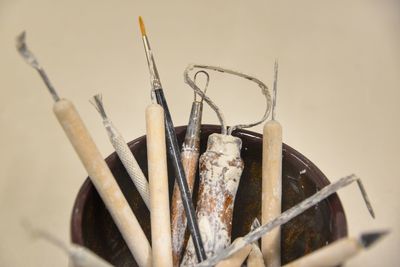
{"type": "Point", "coordinates": [220, 170]}
{"type": "Point", "coordinates": [338, 252]}
{"type": "Point", "coordinates": [158, 182]}
{"type": "Point", "coordinates": [271, 197]}
{"type": "Point", "coordinates": [287, 216]}
{"type": "Point", "coordinates": [190, 156]}
{"type": "Point", "coordinates": [255, 258]}
{"type": "Point", "coordinates": [173, 148]}
{"type": "Point", "coordinates": [78, 255]}
{"type": "Point", "coordinates": [95, 165]}
{"type": "Point", "coordinates": [237, 259]}
{"type": "Point", "coordinates": [124, 153]}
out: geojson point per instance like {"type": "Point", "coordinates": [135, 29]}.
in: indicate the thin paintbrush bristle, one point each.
{"type": "Point", "coordinates": [142, 28]}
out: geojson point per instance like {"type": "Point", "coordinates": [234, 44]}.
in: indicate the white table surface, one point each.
{"type": "Point", "coordinates": [338, 100]}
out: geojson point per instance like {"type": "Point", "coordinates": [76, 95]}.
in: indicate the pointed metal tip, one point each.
{"type": "Point", "coordinates": [21, 40]}
{"type": "Point", "coordinates": [97, 102]}
{"type": "Point", "coordinates": [24, 51]}
{"type": "Point", "coordinates": [256, 223]}
{"type": "Point", "coordinates": [367, 239]}
{"type": "Point", "coordinates": [366, 198]}
{"type": "Point", "coordinates": [275, 86]}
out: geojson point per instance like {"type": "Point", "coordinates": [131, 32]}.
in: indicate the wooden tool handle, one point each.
{"type": "Point", "coordinates": [104, 181]}
{"type": "Point", "coordinates": [178, 224]}
{"type": "Point", "coordinates": [255, 258]}
{"type": "Point", "coordinates": [237, 259]}
{"type": "Point", "coordinates": [271, 191]}
{"type": "Point", "coordinates": [330, 255]}
{"type": "Point", "coordinates": [174, 157]}
{"type": "Point", "coordinates": [158, 183]}
{"type": "Point", "coordinates": [220, 170]}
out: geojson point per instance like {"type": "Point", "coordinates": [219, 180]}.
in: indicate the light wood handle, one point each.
{"type": "Point", "coordinates": [236, 259]}
{"type": "Point", "coordinates": [271, 191]}
{"type": "Point", "coordinates": [158, 184]}
{"type": "Point", "coordinates": [330, 255]}
{"type": "Point", "coordinates": [255, 258]}
{"type": "Point", "coordinates": [104, 181]}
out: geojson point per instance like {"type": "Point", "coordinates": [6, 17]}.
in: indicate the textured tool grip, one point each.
{"type": "Point", "coordinates": [129, 162]}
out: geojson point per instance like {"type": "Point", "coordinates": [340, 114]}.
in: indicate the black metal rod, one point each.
{"type": "Point", "coordinates": [174, 155]}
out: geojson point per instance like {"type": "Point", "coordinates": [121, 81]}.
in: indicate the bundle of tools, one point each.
{"type": "Point", "coordinates": [220, 168]}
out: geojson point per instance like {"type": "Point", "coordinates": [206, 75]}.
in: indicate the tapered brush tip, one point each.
{"type": "Point", "coordinates": [142, 28]}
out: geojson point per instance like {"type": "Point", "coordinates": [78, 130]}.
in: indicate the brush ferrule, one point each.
{"type": "Point", "coordinates": [154, 77]}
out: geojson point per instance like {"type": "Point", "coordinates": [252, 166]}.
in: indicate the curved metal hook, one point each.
{"type": "Point", "coordinates": [198, 91]}
{"type": "Point", "coordinates": [225, 129]}
{"type": "Point", "coordinates": [205, 87]}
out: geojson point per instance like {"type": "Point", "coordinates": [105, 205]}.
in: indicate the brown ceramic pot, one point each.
{"type": "Point", "coordinates": [92, 226]}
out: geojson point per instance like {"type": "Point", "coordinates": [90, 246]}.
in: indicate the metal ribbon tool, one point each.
{"type": "Point", "coordinates": [220, 171]}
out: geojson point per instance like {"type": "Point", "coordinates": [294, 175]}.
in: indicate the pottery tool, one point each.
{"type": "Point", "coordinates": [123, 152]}
{"type": "Point", "coordinates": [338, 252]}
{"type": "Point", "coordinates": [237, 259]}
{"type": "Point", "coordinates": [158, 182]}
{"type": "Point", "coordinates": [78, 255]}
{"type": "Point", "coordinates": [95, 165]}
{"type": "Point", "coordinates": [255, 258]}
{"type": "Point", "coordinates": [271, 197]}
{"type": "Point", "coordinates": [190, 155]}
{"type": "Point", "coordinates": [173, 148]}
{"type": "Point", "coordinates": [220, 170]}
{"type": "Point", "coordinates": [224, 128]}
{"type": "Point", "coordinates": [287, 216]}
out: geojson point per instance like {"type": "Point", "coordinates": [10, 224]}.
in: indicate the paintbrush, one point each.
{"type": "Point", "coordinates": [173, 148]}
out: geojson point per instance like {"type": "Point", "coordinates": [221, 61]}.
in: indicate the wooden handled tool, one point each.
{"type": "Point", "coordinates": [255, 258]}
{"type": "Point", "coordinates": [220, 170]}
{"type": "Point", "coordinates": [79, 256]}
{"type": "Point", "coordinates": [173, 148]}
{"type": "Point", "coordinates": [124, 153]}
{"type": "Point", "coordinates": [237, 259]}
{"type": "Point", "coordinates": [338, 252]}
{"type": "Point", "coordinates": [96, 167]}
{"type": "Point", "coordinates": [287, 216]}
{"type": "Point", "coordinates": [271, 197]}
{"type": "Point", "coordinates": [190, 156]}
{"type": "Point", "coordinates": [158, 183]}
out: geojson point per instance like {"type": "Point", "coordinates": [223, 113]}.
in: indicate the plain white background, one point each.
{"type": "Point", "coordinates": [338, 97]}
